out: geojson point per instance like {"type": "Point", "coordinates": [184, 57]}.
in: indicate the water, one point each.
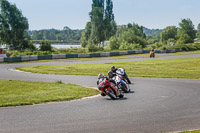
{"type": "Point", "coordinates": [59, 46]}
{"type": "Point", "coordinates": [3, 46]}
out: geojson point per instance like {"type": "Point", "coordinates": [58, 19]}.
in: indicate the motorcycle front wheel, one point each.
{"type": "Point", "coordinates": [111, 94]}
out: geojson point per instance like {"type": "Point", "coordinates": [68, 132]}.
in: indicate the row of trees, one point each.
{"type": "Point", "coordinates": [175, 36]}
{"type": "Point", "coordinates": [66, 35]}
{"type": "Point", "coordinates": [133, 36]}
{"type": "Point", "coordinates": [184, 34]}
{"type": "Point", "coordinates": [102, 26]}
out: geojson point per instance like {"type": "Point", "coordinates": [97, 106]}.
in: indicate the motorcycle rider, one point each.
{"type": "Point", "coordinates": [152, 53]}
{"type": "Point", "coordinates": [111, 77]}
{"type": "Point", "coordinates": [101, 78]}
{"type": "Point", "coordinates": [113, 69]}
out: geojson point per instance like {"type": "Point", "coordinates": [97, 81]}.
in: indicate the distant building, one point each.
{"type": "Point", "coordinates": [104, 43]}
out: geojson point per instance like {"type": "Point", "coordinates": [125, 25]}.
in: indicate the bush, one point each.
{"type": "Point", "coordinates": [45, 46]}
{"type": "Point", "coordinates": [188, 47]}
{"type": "Point", "coordinates": [114, 43]}
{"type": "Point", "coordinates": [130, 46]}
{"type": "Point", "coordinates": [93, 48]}
{"type": "Point", "coordinates": [31, 46]}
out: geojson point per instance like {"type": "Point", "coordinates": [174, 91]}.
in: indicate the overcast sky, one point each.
{"type": "Point", "coordinates": [153, 14]}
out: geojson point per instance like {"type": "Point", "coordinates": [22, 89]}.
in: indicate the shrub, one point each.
{"type": "Point", "coordinates": [45, 46]}
{"type": "Point", "coordinates": [114, 43]}
{"type": "Point", "coordinates": [92, 48]}
{"type": "Point", "coordinates": [130, 46]}
{"type": "Point", "coordinates": [188, 47]}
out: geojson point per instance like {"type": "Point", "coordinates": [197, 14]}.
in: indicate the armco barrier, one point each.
{"type": "Point", "coordinates": [71, 55]}
{"type": "Point", "coordinates": [123, 53]}
{"type": "Point", "coordinates": [157, 51]}
{"type": "Point", "coordinates": [178, 50]}
{"type": "Point", "coordinates": [12, 59]}
{"type": "Point", "coordinates": [139, 51]}
{"type": "Point", "coordinates": [105, 54]}
{"type": "Point", "coordinates": [29, 58]}
{"type": "Point", "coordinates": [1, 59]}
{"type": "Point", "coordinates": [114, 53]}
{"type": "Point", "coordinates": [44, 57]}
{"type": "Point", "coordinates": [64, 56]}
{"type": "Point", "coordinates": [146, 51]}
{"type": "Point", "coordinates": [95, 55]}
{"type": "Point", "coordinates": [131, 52]}
{"type": "Point", "coordinates": [83, 55]}
{"type": "Point", "coordinates": [58, 56]}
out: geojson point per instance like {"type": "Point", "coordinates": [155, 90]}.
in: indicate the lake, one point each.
{"type": "Point", "coordinates": [59, 46]}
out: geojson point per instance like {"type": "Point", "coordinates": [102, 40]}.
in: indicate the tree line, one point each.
{"type": "Point", "coordinates": [65, 35]}
{"type": "Point", "coordinates": [101, 27]}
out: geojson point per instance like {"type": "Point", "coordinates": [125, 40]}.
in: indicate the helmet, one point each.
{"type": "Point", "coordinates": [112, 68]}
{"type": "Point", "coordinates": [101, 75]}
{"type": "Point", "coordinates": [110, 74]}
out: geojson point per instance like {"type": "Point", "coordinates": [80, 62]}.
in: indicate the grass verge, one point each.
{"type": "Point", "coordinates": [15, 93]}
{"type": "Point", "coordinates": [197, 131]}
{"type": "Point", "coordinates": [165, 68]}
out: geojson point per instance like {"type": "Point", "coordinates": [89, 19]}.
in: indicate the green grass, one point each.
{"type": "Point", "coordinates": [15, 93]}
{"type": "Point", "coordinates": [165, 68]}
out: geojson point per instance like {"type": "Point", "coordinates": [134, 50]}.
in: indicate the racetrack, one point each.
{"type": "Point", "coordinates": [158, 105]}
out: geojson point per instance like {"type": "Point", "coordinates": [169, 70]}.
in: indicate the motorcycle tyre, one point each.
{"type": "Point", "coordinates": [121, 95]}
{"type": "Point", "coordinates": [111, 94]}
{"type": "Point", "coordinates": [125, 89]}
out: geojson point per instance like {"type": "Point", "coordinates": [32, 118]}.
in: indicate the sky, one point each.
{"type": "Point", "coordinates": [153, 14]}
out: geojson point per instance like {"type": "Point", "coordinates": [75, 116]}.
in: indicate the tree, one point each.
{"type": "Point", "coordinates": [109, 22]}
{"type": "Point", "coordinates": [97, 25]}
{"type": "Point", "coordinates": [102, 24]}
{"type": "Point", "coordinates": [132, 38]}
{"type": "Point", "coordinates": [169, 32]}
{"type": "Point", "coordinates": [13, 27]}
{"type": "Point", "coordinates": [86, 35]}
{"type": "Point", "coordinates": [198, 31]}
{"type": "Point", "coordinates": [186, 33]}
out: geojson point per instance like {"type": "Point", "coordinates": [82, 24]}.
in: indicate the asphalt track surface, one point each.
{"type": "Point", "coordinates": [155, 105]}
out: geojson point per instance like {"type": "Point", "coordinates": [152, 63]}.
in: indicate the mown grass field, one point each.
{"type": "Point", "coordinates": [15, 93]}
{"type": "Point", "coordinates": [165, 68]}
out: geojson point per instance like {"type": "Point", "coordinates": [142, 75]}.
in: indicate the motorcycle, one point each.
{"type": "Point", "coordinates": [122, 81]}
{"type": "Point", "coordinates": [109, 89]}
{"type": "Point", "coordinates": [152, 54]}
{"type": "Point", "coordinates": [123, 75]}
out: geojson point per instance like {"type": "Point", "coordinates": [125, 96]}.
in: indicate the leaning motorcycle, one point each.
{"type": "Point", "coordinates": [122, 72]}
{"type": "Point", "coordinates": [122, 81]}
{"type": "Point", "coordinates": [109, 89]}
